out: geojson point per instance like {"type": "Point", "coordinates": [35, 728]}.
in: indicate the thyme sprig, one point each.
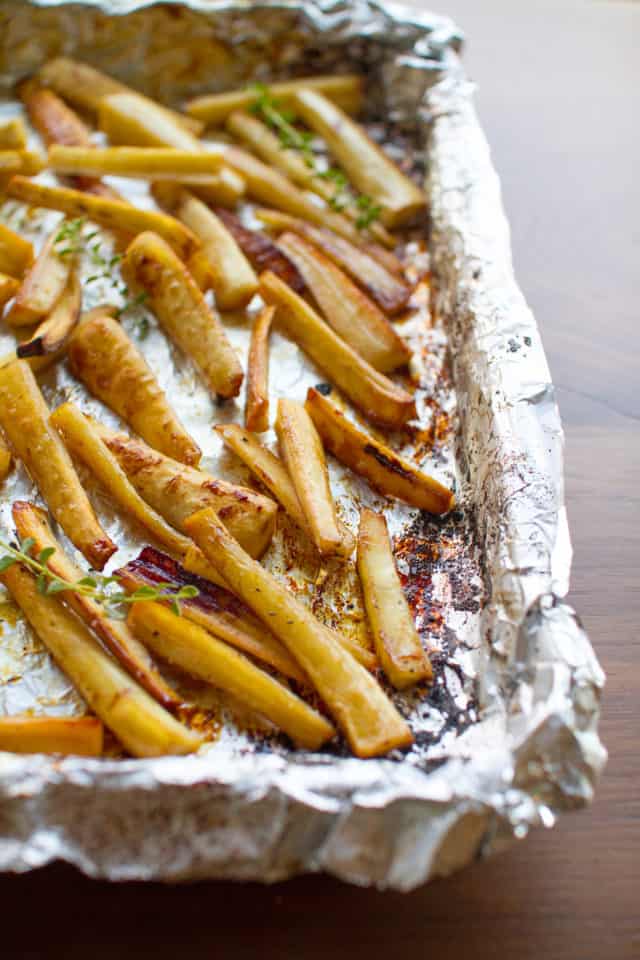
{"type": "Point", "coordinates": [282, 122]}
{"type": "Point", "coordinates": [107, 591]}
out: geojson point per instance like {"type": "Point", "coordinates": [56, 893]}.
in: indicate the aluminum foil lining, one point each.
{"type": "Point", "coordinates": [508, 738]}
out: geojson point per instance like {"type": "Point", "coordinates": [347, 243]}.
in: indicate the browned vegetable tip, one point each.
{"type": "Point", "coordinates": [256, 416]}
{"type": "Point", "coordinates": [346, 308]}
{"type": "Point", "coordinates": [369, 720]}
{"type": "Point", "coordinates": [388, 291]}
{"type": "Point", "coordinates": [16, 254]}
{"type": "Point", "coordinates": [24, 417]}
{"type": "Point", "coordinates": [70, 736]}
{"type": "Point", "coordinates": [43, 284]}
{"type": "Point", "coordinates": [378, 397]}
{"type": "Point", "coordinates": [109, 364]}
{"type": "Point", "coordinates": [31, 522]}
{"type": "Point", "coordinates": [13, 135]}
{"type": "Point", "coordinates": [261, 251]}
{"type": "Point", "coordinates": [215, 608]}
{"type": "Point", "coordinates": [387, 472]}
{"type": "Point", "coordinates": [53, 333]}
{"type": "Point", "coordinates": [144, 727]}
{"type": "Point", "coordinates": [9, 286]}
{"type": "Point", "coordinates": [184, 314]}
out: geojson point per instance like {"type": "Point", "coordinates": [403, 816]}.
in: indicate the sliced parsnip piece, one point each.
{"type": "Point", "coordinates": [24, 417]}
{"type": "Point", "coordinates": [13, 135]}
{"type": "Point", "coordinates": [113, 214]}
{"type": "Point", "coordinates": [16, 254]}
{"type": "Point", "coordinates": [387, 472]}
{"type": "Point", "coordinates": [395, 636]}
{"type": "Point", "coordinates": [215, 609]}
{"type": "Point", "coordinates": [261, 251]}
{"type": "Point", "coordinates": [234, 281]}
{"type": "Point", "coordinates": [9, 286]}
{"type": "Point", "coordinates": [31, 522]}
{"type": "Point", "coordinates": [227, 188]}
{"type": "Point", "coordinates": [175, 491]}
{"type": "Point", "coordinates": [256, 414]}
{"type": "Point", "coordinates": [70, 736]}
{"type": "Point", "coordinates": [303, 457]}
{"type": "Point", "coordinates": [109, 364]}
{"type": "Point", "coordinates": [368, 167]}
{"type": "Point", "coordinates": [183, 312]}
{"type": "Point", "coordinates": [52, 334]}
{"type": "Point", "coordinates": [20, 161]}
{"type": "Point", "coordinates": [43, 283]}
{"type": "Point", "coordinates": [369, 720]}
{"type": "Point", "coordinates": [142, 725]}
{"type": "Point", "coordinates": [5, 459]}
{"type": "Point", "coordinates": [201, 270]}
{"type": "Point", "coordinates": [377, 396]}
{"type": "Point", "coordinates": [344, 89]}
{"type": "Point", "coordinates": [351, 314]}
{"type": "Point", "coordinates": [147, 163]}
{"type": "Point", "coordinates": [188, 646]}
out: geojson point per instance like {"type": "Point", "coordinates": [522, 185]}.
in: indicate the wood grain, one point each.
{"type": "Point", "coordinates": [559, 100]}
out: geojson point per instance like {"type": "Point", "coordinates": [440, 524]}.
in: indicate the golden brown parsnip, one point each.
{"type": "Point", "coordinates": [9, 286]}
{"type": "Point", "coordinates": [256, 414]}
{"type": "Point", "coordinates": [113, 214]}
{"type": "Point", "coordinates": [351, 314]}
{"type": "Point", "coordinates": [188, 646]}
{"type": "Point", "coordinates": [368, 167]}
{"type": "Point", "coordinates": [70, 736]}
{"type": "Point", "coordinates": [31, 522]}
{"type": "Point", "coordinates": [304, 460]}
{"type": "Point", "coordinates": [201, 270]}
{"type": "Point", "coordinates": [20, 161]}
{"type": "Point", "coordinates": [377, 396]}
{"type": "Point", "coordinates": [5, 459]}
{"type": "Point", "coordinates": [24, 417]}
{"type": "Point", "coordinates": [183, 312]}
{"type": "Point", "coordinates": [13, 135]}
{"type": "Point", "coordinates": [144, 727]}
{"type": "Point", "coordinates": [367, 717]}
{"type": "Point", "coordinates": [387, 472]}
{"type": "Point", "coordinates": [16, 254]}
{"type": "Point", "coordinates": [147, 163]}
{"type": "Point", "coordinates": [43, 284]}
{"type": "Point", "coordinates": [213, 109]}
{"type": "Point", "coordinates": [53, 333]}
{"type": "Point", "coordinates": [175, 491]}
{"type": "Point", "coordinates": [394, 633]}
{"type": "Point", "coordinates": [112, 368]}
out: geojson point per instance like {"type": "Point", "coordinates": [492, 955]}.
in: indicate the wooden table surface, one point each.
{"type": "Point", "coordinates": [559, 101]}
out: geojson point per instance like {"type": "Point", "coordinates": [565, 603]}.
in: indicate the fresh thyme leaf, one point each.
{"type": "Point", "coordinates": [27, 546]}
{"type": "Point", "coordinates": [44, 555]}
{"type": "Point", "coordinates": [6, 562]}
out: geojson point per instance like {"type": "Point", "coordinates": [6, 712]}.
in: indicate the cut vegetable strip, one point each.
{"type": "Point", "coordinates": [256, 416]}
{"type": "Point", "coordinates": [148, 163]}
{"type": "Point", "coordinates": [9, 286]}
{"type": "Point", "coordinates": [385, 470]}
{"type": "Point", "coordinates": [261, 251]}
{"type": "Point", "coordinates": [70, 736]}
{"type": "Point", "coordinates": [369, 720]}
{"type": "Point", "coordinates": [344, 89]}
{"type": "Point", "coordinates": [24, 417]}
{"type": "Point", "coordinates": [53, 333]}
{"type": "Point", "coordinates": [368, 167]}
{"type": "Point", "coordinates": [20, 161]}
{"type": "Point", "coordinates": [352, 315]}
{"type": "Point", "coordinates": [43, 284]}
{"type": "Point", "coordinates": [31, 522]}
{"type": "Point", "coordinates": [191, 648]}
{"type": "Point", "coordinates": [5, 459]}
{"type": "Point", "coordinates": [183, 312]}
{"type": "Point", "coordinates": [16, 254]}
{"type": "Point", "coordinates": [377, 396]}
{"type": "Point", "coordinates": [13, 135]}
{"type": "Point", "coordinates": [112, 214]}
{"type": "Point", "coordinates": [109, 364]}
{"type": "Point", "coordinates": [395, 636]}
{"type": "Point", "coordinates": [142, 725]}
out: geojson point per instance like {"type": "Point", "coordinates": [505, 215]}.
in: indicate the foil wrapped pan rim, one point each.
{"type": "Point", "coordinates": [536, 751]}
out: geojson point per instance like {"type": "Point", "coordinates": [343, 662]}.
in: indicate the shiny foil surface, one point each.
{"type": "Point", "coordinates": [507, 737]}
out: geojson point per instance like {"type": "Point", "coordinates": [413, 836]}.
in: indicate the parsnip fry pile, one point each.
{"type": "Point", "coordinates": [72, 736]}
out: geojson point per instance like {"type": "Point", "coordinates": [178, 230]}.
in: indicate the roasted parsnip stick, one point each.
{"type": "Point", "coordinates": [52, 334]}
{"type": "Point", "coordinates": [183, 312]}
{"type": "Point", "coordinates": [256, 415]}
{"type": "Point", "coordinates": [24, 417]}
{"type": "Point", "coordinates": [79, 736]}
{"type": "Point", "coordinates": [351, 314]}
{"type": "Point", "coordinates": [234, 281]}
{"type": "Point", "coordinates": [5, 459]}
{"type": "Point", "coordinates": [112, 214]}
{"type": "Point", "coordinates": [147, 163]}
{"type": "Point", "coordinates": [382, 285]}
{"type": "Point", "coordinates": [369, 720]}
{"type": "Point", "coordinates": [261, 251]}
{"type": "Point", "coordinates": [304, 460]}
{"type": "Point", "coordinates": [385, 470]}
{"type": "Point", "coordinates": [175, 491]}
{"type": "Point", "coordinates": [43, 284]}
{"type": "Point", "coordinates": [213, 109]}
{"type": "Point", "coordinates": [142, 725]}
{"type": "Point", "coordinates": [215, 609]}
{"type": "Point", "coordinates": [9, 286]}
{"type": "Point", "coordinates": [31, 521]}
{"type": "Point", "coordinates": [193, 649]}
{"type": "Point", "coordinates": [20, 161]}
{"type": "Point", "coordinates": [377, 396]}
{"type": "Point", "coordinates": [16, 254]}
{"type": "Point", "coordinates": [201, 270]}
{"type": "Point", "coordinates": [395, 636]}
{"type": "Point", "coordinates": [368, 167]}
{"type": "Point", "coordinates": [103, 357]}
{"type": "Point", "coordinates": [13, 135]}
